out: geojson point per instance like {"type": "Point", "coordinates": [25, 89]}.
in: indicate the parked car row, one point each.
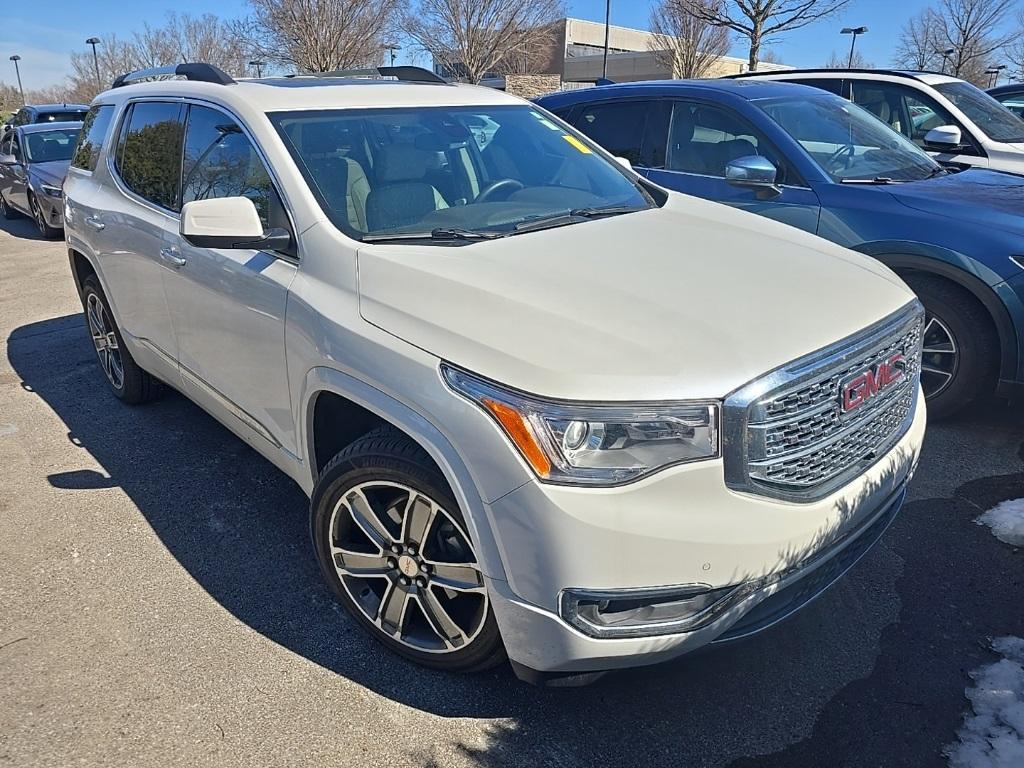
{"type": "Point", "coordinates": [34, 160]}
{"type": "Point", "coordinates": [856, 174]}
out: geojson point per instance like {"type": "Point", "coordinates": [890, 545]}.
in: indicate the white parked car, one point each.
{"type": "Point", "coordinates": [542, 407]}
{"type": "Point", "coordinates": [953, 120]}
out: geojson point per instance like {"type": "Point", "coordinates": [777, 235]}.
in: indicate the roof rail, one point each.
{"type": "Point", "coordinates": [910, 74]}
{"type": "Point", "coordinates": [406, 74]}
{"type": "Point", "coordinates": [197, 71]}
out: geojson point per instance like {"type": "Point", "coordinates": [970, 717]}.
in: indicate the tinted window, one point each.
{"type": "Point", "coordinates": [94, 131]}
{"type": "Point", "coordinates": [21, 118]}
{"type": "Point", "coordinates": [149, 152]}
{"type": "Point", "coordinates": [71, 116]}
{"type": "Point", "coordinates": [50, 146]}
{"type": "Point", "coordinates": [221, 162]}
{"type": "Point", "coordinates": [618, 127]}
{"type": "Point", "coordinates": [832, 85]}
{"type": "Point", "coordinates": [907, 110]}
{"type": "Point", "coordinates": [989, 115]}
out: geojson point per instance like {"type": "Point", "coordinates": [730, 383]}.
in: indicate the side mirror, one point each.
{"type": "Point", "coordinates": [945, 137]}
{"type": "Point", "coordinates": [623, 162]}
{"type": "Point", "coordinates": [7, 160]}
{"type": "Point", "coordinates": [229, 222]}
{"type": "Point", "coordinates": [752, 172]}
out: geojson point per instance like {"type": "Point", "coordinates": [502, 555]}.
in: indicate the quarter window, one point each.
{"type": "Point", "coordinates": [94, 131]}
{"type": "Point", "coordinates": [220, 161]}
{"type": "Point", "coordinates": [621, 127]}
{"type": "Point", "coordinates": [149, 152]}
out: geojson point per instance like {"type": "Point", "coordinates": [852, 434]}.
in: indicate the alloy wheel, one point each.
{"type": "Point", "coordinates": [37, 214]}
{"type": "Point", "coordinates": [105, 340]}
{"type": "Point", "coordinates": [408, 566]}
{"type": "Point", "coordinates": [940, 357]}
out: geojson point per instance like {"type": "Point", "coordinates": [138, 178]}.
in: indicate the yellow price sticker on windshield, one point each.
{"type": "Point", "coordinates": [578, 144]}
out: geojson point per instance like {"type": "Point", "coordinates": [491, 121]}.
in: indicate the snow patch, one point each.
{"type": "Point", "coordinates": [1006, 521]}
{"type": "Point", "coordinates": [992, 735]}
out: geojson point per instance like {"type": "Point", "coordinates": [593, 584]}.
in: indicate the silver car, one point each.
{"type": "Point", "coordinates": [33, 162]}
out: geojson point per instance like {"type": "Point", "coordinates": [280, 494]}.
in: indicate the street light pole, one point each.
{"type": "Point", "coordinates": [94, 41]}
{"type": "Point", "coordinates": [16, 58]}
{"type": "Point", "coordinates": [852, 31]}
{"type": "Point", "coordinates": [259, 67]}
{"type": "Point", "coordinates": [391, 48]}
{"type": "Point", "coordinates": [607, 27]}
{"type": "Point", "coordinates": [945, 54]}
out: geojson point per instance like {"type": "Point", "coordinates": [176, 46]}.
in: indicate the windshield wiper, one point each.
{"type": "Point", "coordinates": [936, 171]}
{"type": "Point", "coordinates": [440, 233]}
{"type": "Point", "coordinates": [573, 216]}
{"type": "Point", "coordinates": [876, 180]}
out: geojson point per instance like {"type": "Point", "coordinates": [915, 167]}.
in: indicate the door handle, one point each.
{"type": "Point", "coordinates": [95, 222]}
{"type": "Point", "coordinates": [172, 257]}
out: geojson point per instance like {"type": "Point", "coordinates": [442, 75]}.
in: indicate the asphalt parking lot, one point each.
{"type": "Point", "coordinates": [160, 605]}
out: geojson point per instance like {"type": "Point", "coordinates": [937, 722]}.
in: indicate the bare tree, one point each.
{"type": "Point", "coordinates": [974, 30]}
{"type": "Point", "coordinates": [318, 35]}
{"type": "Point", "coordinates": [1014, 50]}
{"type": "Point", "coordinates": [920, 38]}
{"type": "Point", "coordinates": [685, 40]}
{"type": "Point", "coordinates": [837, 61]}
{"type": "Point", "coordinates": [473, 37]}
{"type": "Point", "coordinates": [758, 20]}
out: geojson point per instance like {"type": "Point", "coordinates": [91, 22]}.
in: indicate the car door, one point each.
{"type": "Point", "coordinates": [133, 223]}
{"type": "Point", "coordinates": [703, 138]}
{"type": "Point", "coordinates": [913, 113]}
{"type": "Point", "coordinates": [17, 194]}
{"type": "Point", "coordinates": [228, 305]}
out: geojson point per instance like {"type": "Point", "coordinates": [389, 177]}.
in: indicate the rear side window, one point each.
{"type": "Point", "coordinates": [832, 85]}
{"type": "Point", "coordinates": [94, 132]}
{"type": "Point", "coordinates": [635, 130]}
{"type": "Point", "coordinates": [220, 161]}
{"type": "Point", "coordinates": [71, 116]}
{"type": "Point", "coordinates": [149, 152]}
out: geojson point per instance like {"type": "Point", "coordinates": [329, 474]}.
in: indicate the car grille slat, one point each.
{"type": "Point", "coordinates": [791, 438]}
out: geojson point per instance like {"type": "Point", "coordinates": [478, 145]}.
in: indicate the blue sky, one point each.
{"type": "Point", "coordinates": [44, 42]}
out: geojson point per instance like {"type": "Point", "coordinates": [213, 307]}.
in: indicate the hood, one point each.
{"type": "Point", "coordinates": [51, 172]}
{"type": "Point", "coordinates": [688, 301]}
{"type": "Point", "coordinates": [989, 198]}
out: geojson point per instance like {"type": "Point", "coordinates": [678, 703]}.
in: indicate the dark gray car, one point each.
{"type": "Point", "coordinates": [33, 162]}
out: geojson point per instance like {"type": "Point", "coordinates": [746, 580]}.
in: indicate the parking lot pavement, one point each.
{"type": "Point", "coordinates": [160, 605]}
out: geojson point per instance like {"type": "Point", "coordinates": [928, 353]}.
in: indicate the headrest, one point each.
{"type": "Point", "coordinates": [402, 162]}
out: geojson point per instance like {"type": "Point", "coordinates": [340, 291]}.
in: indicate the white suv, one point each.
{"type": "Point", "coordinates": [542, 407]}
{"type": "Point", "coordinates": [952, 119]}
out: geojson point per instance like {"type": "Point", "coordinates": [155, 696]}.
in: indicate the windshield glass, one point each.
{"type": "Point", "coordinates": [994, 120]}
{"type": "Point", "coordinates": [848, 142]}
{"type": "Point", "coordinates": [473, 169]}
{"type": "Point", "coordinates": [46, 146]}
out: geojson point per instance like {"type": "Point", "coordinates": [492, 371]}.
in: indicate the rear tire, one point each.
{"type": "Point", "coordinates": [127, 380]}
{"type": "Point", "coordinates": [366, 509]}
{"type": "Point", "coordinates": [961, 348]}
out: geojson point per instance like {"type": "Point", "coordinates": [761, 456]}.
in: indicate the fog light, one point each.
{"type": "Point", "coordinates": [646, 612]}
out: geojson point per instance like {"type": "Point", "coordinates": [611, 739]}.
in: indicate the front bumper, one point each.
{"type": "Point", "coordinates": [682, 526]}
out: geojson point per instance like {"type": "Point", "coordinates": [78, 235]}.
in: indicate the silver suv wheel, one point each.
{"type": "Point", "coordinates": [408, 566]}
{"type": "Point", "coordinates": [104, 340]}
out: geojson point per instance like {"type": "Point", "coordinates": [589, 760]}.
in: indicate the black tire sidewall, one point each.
{"type": "Point", "coordinates": [135, 385]}
{"type": "Point", "coordinates": [486, 648]}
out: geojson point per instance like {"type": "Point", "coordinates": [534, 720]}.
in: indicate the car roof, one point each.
{"type": "Point", "coordinates": [1003, 89]}
{"type": "Point", "coordinates": [931, 78]}
{"type": "Point", "coordinates": [746, 89]}
{"type": "Point", "coordinates": [275, 94]}
{"type": "Point", "coordinates": [57, 107]}
{"type": "Point", "coordinates": [54, 126]}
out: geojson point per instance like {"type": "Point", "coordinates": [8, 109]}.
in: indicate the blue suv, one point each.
{"type": "Point", "coordinates": [818, 162]}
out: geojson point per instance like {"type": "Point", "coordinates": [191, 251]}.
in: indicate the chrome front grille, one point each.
{"type": "Point", "coordinates": [786, 435]}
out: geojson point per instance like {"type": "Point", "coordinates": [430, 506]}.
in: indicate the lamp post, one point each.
{"type": "Point", "coordinates": [994, 72]}
{"type": "Point", "coordinates": [16, 58]}
{"type": "Point", "coordinates": [94, 41]}
{"type": "Point", "coordinates": [391, 48]}
{"type": "Point", "coordinates": [607, 27]}
{"type": "Point", "coordinates": [259, 66]}
{"type": "Point", "coordinates": [945, 54]}
{"type": "Point", "coordinates": [853, 41]}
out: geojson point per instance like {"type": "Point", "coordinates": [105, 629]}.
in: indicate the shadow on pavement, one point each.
{"type": "Point", "coordinates": [23, 228]}
{"type": "Point", "coordinates": [239, 528]}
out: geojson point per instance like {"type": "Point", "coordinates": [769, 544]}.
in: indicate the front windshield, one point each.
{"type": "Point", "coordinates": [470, 169]}
{"type": "Point", "coordinates": [848, 142]}
{"type": "Point", "coordinates": [994, 120]}
{"type": "Point", "coordinates": [47, 146]}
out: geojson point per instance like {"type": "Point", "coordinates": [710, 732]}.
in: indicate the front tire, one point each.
{"type": "Point", "coordinates": [961, 350]}
{"type": "Point", "coordinates": [126, 379]}
{"type": "Point", "coordinates": [392, 543]}
{"type": "Point", "coordinates": [45, 230]}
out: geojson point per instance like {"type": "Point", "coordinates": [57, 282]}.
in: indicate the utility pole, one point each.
{"type": "Point", "coordinates": [852, 31]}
{"type": "Point", "coordinates": [94, 41]}
{"type": "Point", "coordinates": [945, 54]}
{"type": "Point", "coordinates": [391, 48]}
{"type": "Point", "coordinates": [607, 27]}
{"type": "Point", "coordinates": [259, 67]}
{"type": "Point", "coordinates": [16, 58]}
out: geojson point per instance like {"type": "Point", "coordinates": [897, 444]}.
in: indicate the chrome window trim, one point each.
{"type": "Point", "coordinates": [736, 407]}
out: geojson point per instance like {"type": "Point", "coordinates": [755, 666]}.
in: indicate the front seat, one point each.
{"type": "Point", "coordinates": [342, 181]}
{"type": "Point", "coordinates": [402, 196]}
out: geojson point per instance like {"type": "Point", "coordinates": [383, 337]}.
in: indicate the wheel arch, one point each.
{"type": "Point", "coordinates": [908, 257]}
{"type": "Point", "coordinates": [81, 268]}
{"type": "Point", "coordinates": [332, 396]}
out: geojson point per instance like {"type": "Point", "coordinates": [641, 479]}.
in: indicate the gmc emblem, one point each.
{"type": "Point", "coordinates": [853, 393]}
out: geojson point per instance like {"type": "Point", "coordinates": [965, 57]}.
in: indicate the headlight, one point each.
{"type": "Point", "coordinates": [52, 191]}
{"type": "Point", "coordinates": [594, 444]}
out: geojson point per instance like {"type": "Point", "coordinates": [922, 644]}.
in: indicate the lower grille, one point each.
{"type": "Point", "coordinates": [789, 435]}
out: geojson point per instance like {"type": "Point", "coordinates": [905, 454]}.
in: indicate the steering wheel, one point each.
{"type": "Point", "coordinates": [836, 156]}
{"type": "Point", "coordinates": [512, 185]}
